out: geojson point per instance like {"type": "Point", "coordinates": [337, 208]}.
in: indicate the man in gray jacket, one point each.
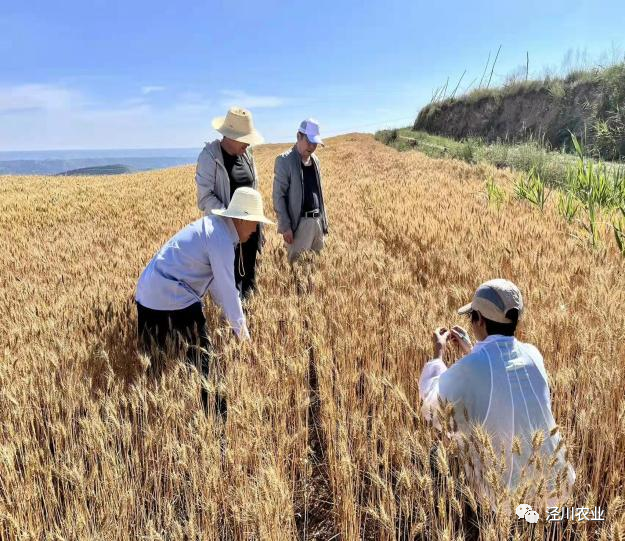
{"type": "Point", "coordinates": [298, 194]}
{"type": "Point", "coordinates": [222, 167]}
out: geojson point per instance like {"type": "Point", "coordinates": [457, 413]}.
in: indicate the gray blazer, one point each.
{"type": "Point", "coordinates": [288, 191]}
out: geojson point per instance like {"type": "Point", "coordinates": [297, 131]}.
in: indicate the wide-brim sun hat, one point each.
{"type": "Point", "coordinates": [246, 204]}
{"type": "Point", "coordinates": [494, 298]}
{"type": "Point", "coordinates": [238, 125]}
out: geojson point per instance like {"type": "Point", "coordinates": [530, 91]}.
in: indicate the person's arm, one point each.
{"type": "Point", "coordinates": [429, 382]}
{"type": "Point", "coordinates": [280, 191]}
{"type": "Point", "coordinates": [205, 178]}
{"type": "Point", "coordinates": [252, 162]}
{"type": "Point", "coordinates": [323, 203]}
{"type": "Point", "coordinates": [223, 289]}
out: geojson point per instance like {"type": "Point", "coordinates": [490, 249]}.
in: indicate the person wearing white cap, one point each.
{"type": "Point", "coordinates": [298, 194]}
{"type": "Point", "coordinates": [501, 384]}
{"type": "Point", "coordinates": [199, 259]}
{"type": "Point", "coordinates": [223, 166]}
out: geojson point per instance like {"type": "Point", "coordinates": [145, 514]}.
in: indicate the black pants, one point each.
{"type": "Point", "coordinates": [168, 331]}
{"type": "Point", "coordinates": [246, 281]}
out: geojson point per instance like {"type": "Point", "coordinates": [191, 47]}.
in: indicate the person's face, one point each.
{"type": "Point", "coordinates": [478, 326]}
{"type": "Point", "coordinates": [304, 146]}
{"type": "Point", "coordinates": [244, 228]}
{"type": "Point", "coordinates": [234, 148]}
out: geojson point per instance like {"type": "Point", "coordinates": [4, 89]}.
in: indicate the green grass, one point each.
{"type": "Point", "coordinates": [585, 188]}
{"type": "Point", "coordinates": [552, 166]}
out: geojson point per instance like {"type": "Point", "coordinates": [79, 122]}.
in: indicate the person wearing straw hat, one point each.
{"type": "Point", "coordinates": [223, 166]}
{"type": "Point", "coordinates": [199, 259]}
{"type": "Point", "coordinates": [501, 384]}
{"type": "Point", "coordinates": [298, 194]}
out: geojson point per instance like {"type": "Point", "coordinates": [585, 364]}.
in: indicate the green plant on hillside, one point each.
{"type": "Point", "coordinates": [568, 206]}
{"type": "Point", "coordinates": [469, 151]}
{"type": "Point", "coordinates": [619, 231]}
{"type": "Point", "coordinates": [593, 183]}
{"type": "Point", "coordinates": [494, 193]}
{"type": "Point", "coordinates": [556, 89]}
{"type": "Point", "coordinates": [590, 226]}
{"type": "Point", "coordinates": [609, 135]}
{"type": "Point", "coordinates": [532, 188]}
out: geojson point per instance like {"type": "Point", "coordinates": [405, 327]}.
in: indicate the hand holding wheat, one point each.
{"type": "Point", "coordinates": [440, 336]}
{"type": "Point", "coordinates": [460, 337]}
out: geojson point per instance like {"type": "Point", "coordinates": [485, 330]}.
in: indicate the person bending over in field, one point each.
{"type": "Point", "coordinates": [196, 260]}
{"type": "Point", "coordinates": [501, 384]}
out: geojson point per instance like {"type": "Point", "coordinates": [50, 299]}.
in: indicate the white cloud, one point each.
{"type": "Point", "coordinates": [150, 89]}
{"type": "Point", "coordinates": [250, 101]}
{"type": "Point", "coordinates": [33, 97]}
{"type": "Point", "coordinates": [58, 116]}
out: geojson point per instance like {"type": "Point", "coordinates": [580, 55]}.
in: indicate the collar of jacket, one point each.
{"type": "Point", "coordinates": [492, 338]}
{"type": "Point", "coordinates": [214, 148]}
{"type": "Point", "coordinates": [298, 159]}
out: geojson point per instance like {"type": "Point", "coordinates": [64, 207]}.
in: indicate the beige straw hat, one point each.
{"type": "Point", "coordinates": [238, 125]}
{"type": "Point", "coordinates": [246, 204]}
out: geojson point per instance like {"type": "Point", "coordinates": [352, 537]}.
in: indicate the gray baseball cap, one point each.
{"type": "Point", "coordinates": [494, 298]}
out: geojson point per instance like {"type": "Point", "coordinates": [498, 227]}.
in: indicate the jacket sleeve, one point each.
{"type": "Point", "coordinates": [205, 178]}
{"type": "Point", "coordinates": [261, 233]}
{"type": "Point", "coordinates": [250, 157]}
{"type": "Point", "coordinates": [223, 289]}
{"type": "Point", "coordinates": [325, 208]}
{"type": "Point", "coordinates": [429, 389]}
{"type": "Point", "coordinates": [281, 181]}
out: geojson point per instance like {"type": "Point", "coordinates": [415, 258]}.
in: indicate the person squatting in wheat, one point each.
{"type": "Point", "coordinates": [501, 385]}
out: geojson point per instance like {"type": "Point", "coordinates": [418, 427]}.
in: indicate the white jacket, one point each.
{"type": "Point", "coordinates": [503, 386]}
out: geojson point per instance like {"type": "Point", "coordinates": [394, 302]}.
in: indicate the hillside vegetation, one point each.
{"type": "Point", "coordinates": [588, 103]}
{"type": "Point", "coordinates": [324, 438]}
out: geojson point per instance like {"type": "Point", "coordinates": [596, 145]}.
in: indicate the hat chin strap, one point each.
{"type": "Point", "coordinates": [241, 266]}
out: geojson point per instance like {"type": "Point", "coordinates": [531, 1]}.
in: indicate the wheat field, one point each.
{"type": "Point", "coordinates": [324, 438]}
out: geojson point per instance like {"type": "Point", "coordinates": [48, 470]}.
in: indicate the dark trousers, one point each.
{"type": "Point", "coordinates": [168, 331]}
{"type": "Point", "coordinates": [246, 281]}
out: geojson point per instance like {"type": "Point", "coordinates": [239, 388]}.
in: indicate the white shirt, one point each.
{"type": "Point", "coordinates": [196, 260]}
{"type": "Point", "coordinates": [503, 385]}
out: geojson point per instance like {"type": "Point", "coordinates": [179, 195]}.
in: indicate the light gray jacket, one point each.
{"type": "Point", "coordinates": [288, 190]}
{"type": "Point", "coordinates": [211, 177]}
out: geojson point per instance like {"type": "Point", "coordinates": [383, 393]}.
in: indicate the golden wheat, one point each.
{"type": "Point", "coordinates": [324, 439]}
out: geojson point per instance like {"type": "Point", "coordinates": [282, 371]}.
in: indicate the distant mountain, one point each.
{"type": "Point", "coordinates": [55, 162]}
{"type": "Point", "coordinates": [98, 170]}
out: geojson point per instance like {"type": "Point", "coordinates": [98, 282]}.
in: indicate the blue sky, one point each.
{"type": "Point", "coordinates": [137, 74]}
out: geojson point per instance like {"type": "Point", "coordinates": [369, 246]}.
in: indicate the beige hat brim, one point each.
{"type": "Point", "coordinates": [249, 217]}
{"type": "Point", "coordinates": [465, 309]}
{"type": "Point", "coordinates": [252, 138]}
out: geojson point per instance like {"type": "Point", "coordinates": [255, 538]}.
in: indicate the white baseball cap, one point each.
{"type": "Point", "coordinates": [494, 298]}
{"type": "Point", "coordinates": [310, 128]}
